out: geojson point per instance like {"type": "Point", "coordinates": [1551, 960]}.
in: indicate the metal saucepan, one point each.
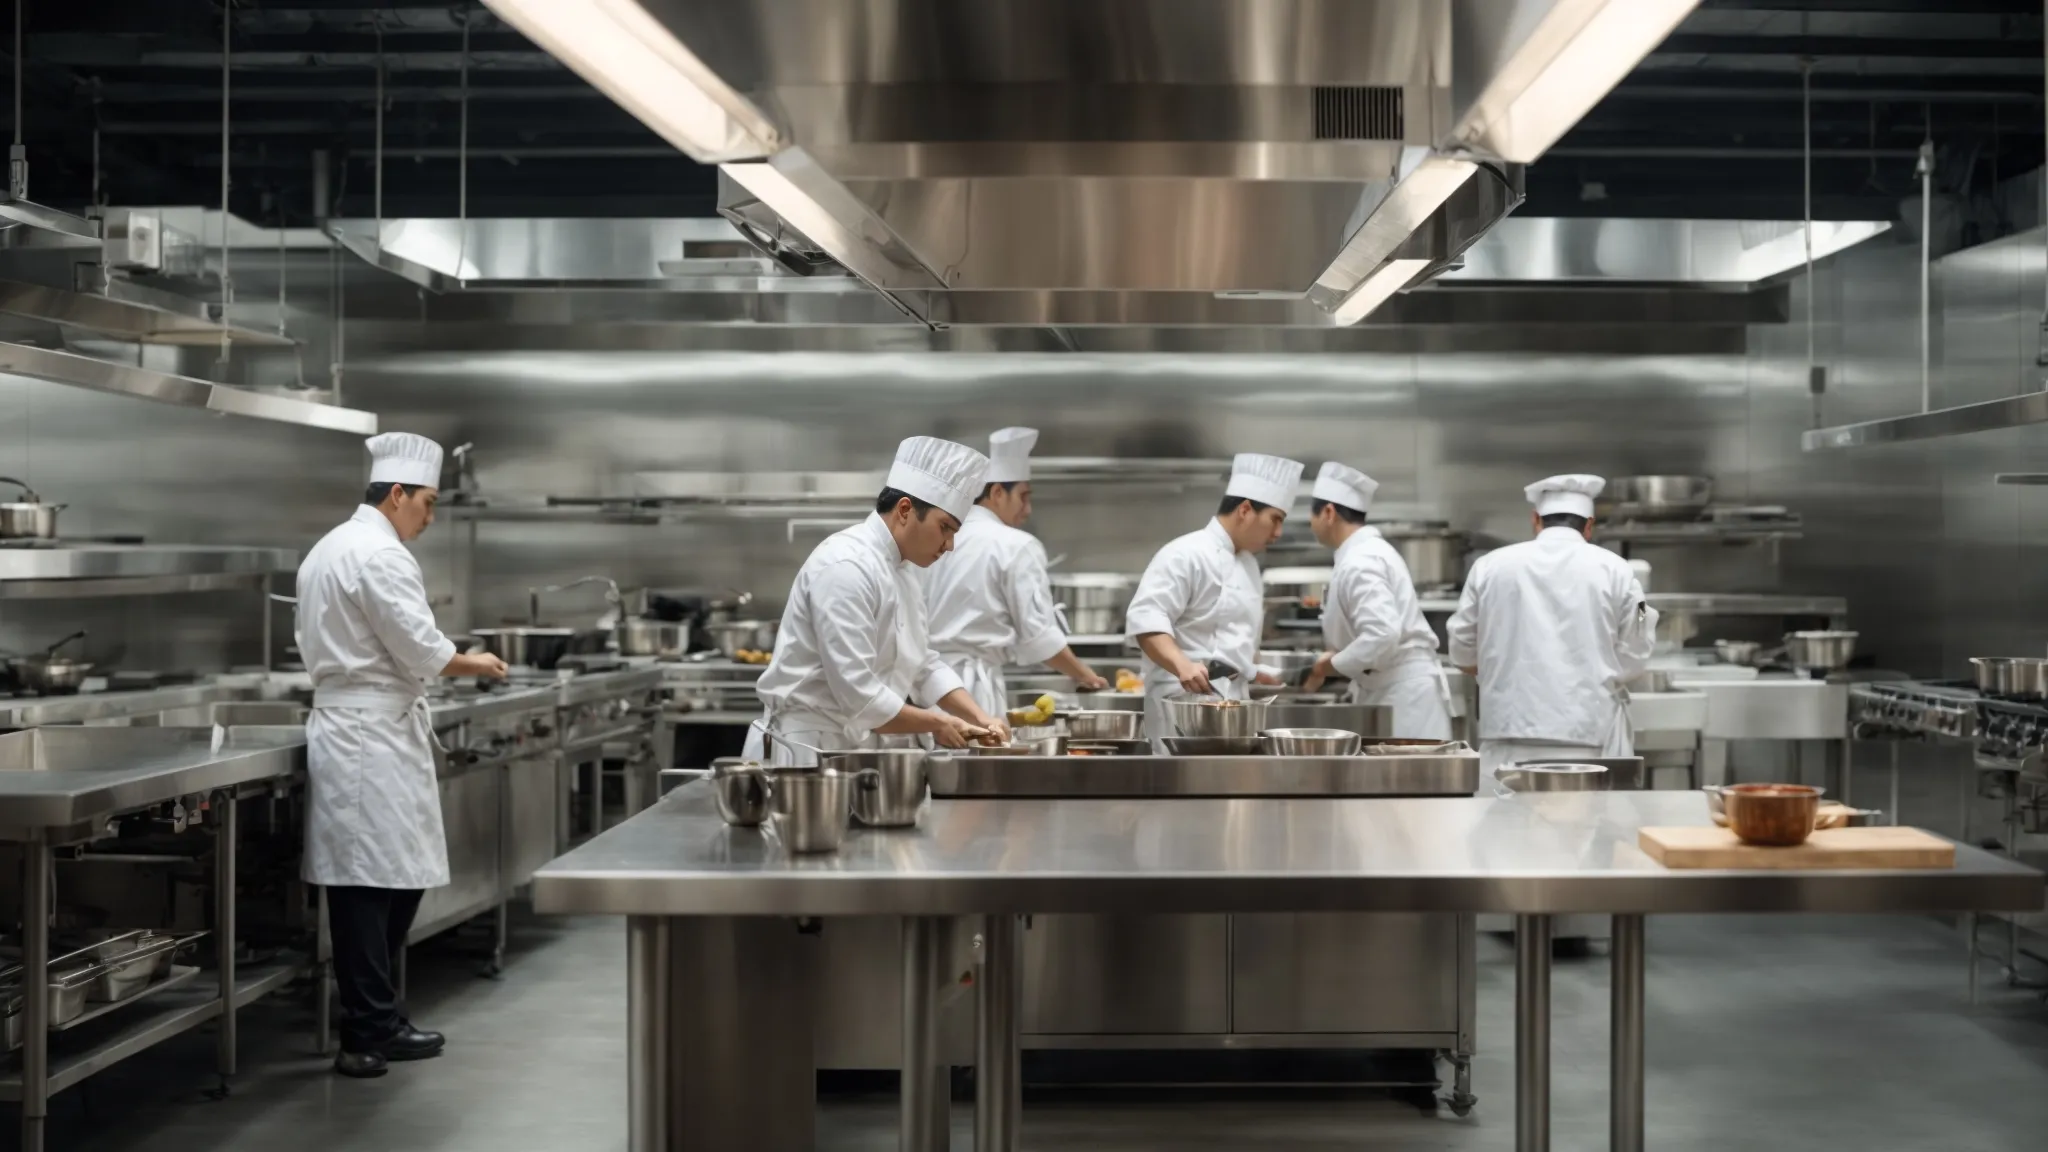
{"type": "Point", "coordinates": [1737, 651]}
{"type": "Point", "coordinates": [1819, 651]}
{"type": "Point", "coordinates": [1214, 716]}
{"type": "Point", "coordinates": [1094, 602]}
{"type": "Point", "coordinates": [735, 636]}
{"type": "Point", "coordinates": [1656, 497]}
{"type": "Point", "coordinates": [2012, 677]}
{"type": "Point", "coordinates": [29, 517]}
{"type": "Point", "coordinates": [809, 809]}
{"type": "Point", "coordinates": [639, 636]}
{"type": "Point", "coordinates": [892, 784]}
{"type": "Point", "coordinates": [541, 648]}
{"type": "Point", "coordinates": [48, 674]}
{"type": "Point", "coordinates": [740, 785]}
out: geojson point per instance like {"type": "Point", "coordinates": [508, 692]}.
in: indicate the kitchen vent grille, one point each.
{"type": "Point", "coordinates": [1358, 112]}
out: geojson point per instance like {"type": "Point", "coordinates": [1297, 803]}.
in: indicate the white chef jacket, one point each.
{"type": "Point", "coordinates": [1205, 594]}
{"type": "Point", "coordinates": [853, 648]}
{"type": "Point", "coordinates": [1373, 623]}
{"type": "Point", "coordinates": [370, 645]}
{"type": "Point", "coordinates": [991, 604]}
{"type": "Point", "coordinates": [1557, 626]}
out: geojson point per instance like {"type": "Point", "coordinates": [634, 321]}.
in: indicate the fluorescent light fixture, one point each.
{"type": "Point", "coordinates": [1574, 55]}
{"type": "Point", "coordinates": [629, 56]}
{"type": "Point", "coordinates": [1426, 181]}
{"type": "Point", "coordinates": [1378, 288]}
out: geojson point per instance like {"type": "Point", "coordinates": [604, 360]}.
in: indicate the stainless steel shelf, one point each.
{"type": "Point", "coordinates": [1697, 532]}
{"type": "Point", "coordinates": [170, 567]}
{"type": "Point", "coordinates": [180, 976]}
{"type": "Point", "coordinates": [96, 375]}
{"type": "Point", "coordinates": [1987, 416]}
{"type": "Point", "coordinates": [1742, 604]}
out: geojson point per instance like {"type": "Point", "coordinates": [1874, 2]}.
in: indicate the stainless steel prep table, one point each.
{"type": "Point", "coordinates": [57, 786]}
{"type": "Point", "coordinates": [1534, 856]}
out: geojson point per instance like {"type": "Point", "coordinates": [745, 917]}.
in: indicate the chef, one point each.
{"type": "Point", "coordinates": [374, 838]}
{"type": "Point", "coordinates": [853, 666]}
{"type": "Point", "coordinates": [991, 602]}
{"type": "Point", "coordinates": [1553, 627]}
{"type": "Point", "coordinates": [1200, 598]}
{"type": "Point", "coordinates": [1371, 618]}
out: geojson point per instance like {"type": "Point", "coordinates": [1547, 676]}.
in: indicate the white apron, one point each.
{"type": "Point", "coordinates": [805, 726]}
{"type": "Point", "coordinates": [984, 681]}
{"type": "Point", "coordinates": [373, 815]}
{"type": "Point", "coordinates": [1415, 686]}
{"type": "Point", "coordinates": [1497, 754]}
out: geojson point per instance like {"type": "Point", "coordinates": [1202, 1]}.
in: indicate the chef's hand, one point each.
{"type": "Point", "coordinates": [952, 731]}
{"type": "Point", "coordinates": [1266, 678]}
{"type": "Point", "coordinates": [475, 664]}
{"type": "Point", "coordinates": [1323, 670]}
{"type": "Point", "coordinates": [1194, 679]}
{"type": "Point", "coordinates": [999, 728]}
{"type": "Point", "coordinates": [1090, 683]}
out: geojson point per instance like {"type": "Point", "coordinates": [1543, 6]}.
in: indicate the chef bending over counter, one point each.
{"type": "Point", "coordinates": [853, 655]}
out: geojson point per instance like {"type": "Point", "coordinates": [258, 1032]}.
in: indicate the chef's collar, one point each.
{"type": "Point", "coordinates": [1560, 532]}
{"type": "Point", "coordinates": [981, 512]}
{"type": "Point", "coordinates": [1220, 535]}
{"type": "Point", "coordinates": [1357, 539]}
{"type": "Point", "coordinates": [365, 514]}
{"type": "Point", "coordinates": [881, 539]}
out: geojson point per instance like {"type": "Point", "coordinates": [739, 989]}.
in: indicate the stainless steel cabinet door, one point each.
{"type": "Point", "coordinates": [1346, 972]}
{"type": "Point", "coordinates": [531, 825]}
{"type": "Point", "coordinates": [469, 811]}
{"type": "Point", "coordinates": [1126, 975]}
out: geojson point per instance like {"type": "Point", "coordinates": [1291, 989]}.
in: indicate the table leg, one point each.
{"type": "Point", "coordinates": [647, 1011]}
{"type": "Point", "coordinates": [1970, 936]}
{"type": "Point", "coordinates": [998, 1089]}
{"type": "Point", "coordinates": [1625, 1087]}
{"type": "Point", "coordinates": [924, 1117]}
{"type": "Point", "coordinates": [1848, 771]}
{"type": "Point", "coordinates": [224, 845]}
{"type": "Point", "coordinates": [1894, 781]}
{"type": "Point", "coordinates": [35, 1010]}
{"type": "Point", "coordinates": [1532, 1034]}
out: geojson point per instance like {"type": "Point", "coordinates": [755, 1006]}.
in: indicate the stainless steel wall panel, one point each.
{"type": "Point", "coordinates": [1127, 975]}
{"type": "Point", "coordinates": [1344, 973]}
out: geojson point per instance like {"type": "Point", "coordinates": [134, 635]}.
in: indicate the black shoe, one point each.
{"type": "Point", "coordinates": [412, 1044]}
{"type": "Point", "coordinates": [361, 1065]}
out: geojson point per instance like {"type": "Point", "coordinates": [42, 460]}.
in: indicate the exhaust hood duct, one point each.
{"type": "Point", "coordinates": [1241, 150]}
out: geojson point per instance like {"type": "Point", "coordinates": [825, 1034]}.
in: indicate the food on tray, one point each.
{"type": "Point", "coordinates": [753, 656]}
{"type": "Point", "coordinates": [1040, 712]}
{"type": "Point", "coordinates": [1129, 681]}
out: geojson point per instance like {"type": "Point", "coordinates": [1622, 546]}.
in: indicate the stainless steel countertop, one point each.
{"type": "Point", "coordinates": [1556, 853]}
{"type": "Point", "coordinates": [1074, 777]}
{"type": "Point", "coordinates": [451, 710]}
{"type": "Point", "coordinates": [57, 777]}
{"type": "Point", "coordinates": [32, 712]}
{"type": "Point", "coordinates": [86, 560]}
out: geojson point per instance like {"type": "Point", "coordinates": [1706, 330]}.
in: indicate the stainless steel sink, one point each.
{"type": "Point", "coordinates": [53, 777]}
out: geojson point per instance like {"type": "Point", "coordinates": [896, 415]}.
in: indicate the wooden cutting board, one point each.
{"type": "Point", "coordinates": [1713, 847]}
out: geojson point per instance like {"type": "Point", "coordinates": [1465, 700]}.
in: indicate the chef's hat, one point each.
{"type": "Point", "coordinates": [939, 472]}
{"type": "Point", "coordinates": [1009, 455]}
{"type": "Point", "coordinates": [1572, 494]}
{"type": "Point", "coordinates": [404, 458]}
{"type": "Point", "coordinates": [1270, 480]}
{"type": "Point", "coordinates": [1342, 484]}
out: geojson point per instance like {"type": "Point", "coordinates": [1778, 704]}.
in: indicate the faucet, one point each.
{"type": "Point", "coordinates": [611, 596]}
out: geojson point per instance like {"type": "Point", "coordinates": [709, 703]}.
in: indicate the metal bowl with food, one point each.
{"type": "Point", "coordinates": [1214, 716]}
{"type": "Point", "coordinates": [1311, 742]}
{"type": "Point", "coordinates": [733, 637]}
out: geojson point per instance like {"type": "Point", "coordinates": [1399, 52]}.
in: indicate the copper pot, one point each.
{"type": "Point", "coordinates": [1779, 815]}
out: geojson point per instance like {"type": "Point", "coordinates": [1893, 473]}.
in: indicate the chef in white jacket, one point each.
{"type": "Point", "coordinates": [1372, 620]}
{"type": "Point", "coordinates": [1200, 598]}
{"type": "Point", "coordinates": [1554, 628]}
{"type": "Point", "coordinates": [374, 838]}
{"type": "Point", "coordinates": [991, 601]}
{"type": "Point", "coordinates": [853, 665]}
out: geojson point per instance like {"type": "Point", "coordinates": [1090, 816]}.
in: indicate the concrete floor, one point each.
{"type": "Point", "coordinates": [1763, 1033]}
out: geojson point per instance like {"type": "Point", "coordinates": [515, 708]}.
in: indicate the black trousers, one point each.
{"type": "Point", "coordinates": [369, 927]}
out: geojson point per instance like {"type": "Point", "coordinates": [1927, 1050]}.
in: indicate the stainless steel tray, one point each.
{"type": "Point", "coordinates": [1105, 777]}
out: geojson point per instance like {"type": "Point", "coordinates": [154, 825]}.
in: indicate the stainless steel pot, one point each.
{"type": "Point", "coordinates": [809, 809]}
{"type": "Point", "coordinates": [1214, 716]}
{"type": "Point", "coordinates": [29, 517]}
{"type": "Point", "coordinates": [2012, 677]}
{"type": "Point", "coordinates": [1093, 602]}
{"type": "Point", "coordinates": [1737, 651]}
{"type": "Point", "coordinates": [1104, 724]}
{"type": "Point", "coordinates": [1656, 497]}
{"type": "Point", "coordinates": [639, 636]}
{"type": "Point", "coordinates": [1819, 651]}
{"type": "Point", "coordinates": [891, 787]}
{"type": "Point", "coordinates": [1434, 554]}
{"type": "Point", "coordinates": [541, 648]}
{"type": "Point", "coordinates": [734, 636]}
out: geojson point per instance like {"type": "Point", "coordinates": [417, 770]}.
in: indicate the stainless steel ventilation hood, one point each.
{"type": "Point", "coordinates": [1321, 153]}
